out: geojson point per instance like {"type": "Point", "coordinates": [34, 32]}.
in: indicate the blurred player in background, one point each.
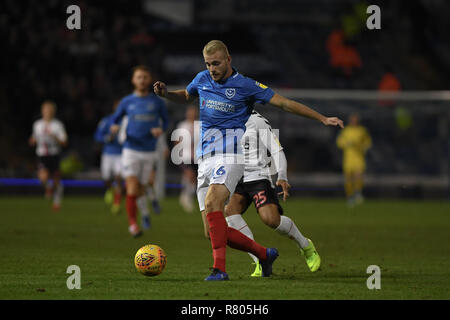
{"type": "Point", "coordinates": [144, 111]}
{"type": "Point", "coordinates": [226, 100]}
{"type": "Point", "coordinates": [110, 165]}
{"type": "Point", "coordinates": [189, 168]}
{"type": "Point", "coordinates": [262, 149]}
{"type": "Point", "coordinates": [49, 135]}
{"type": "Point", "coordinates": [157, 183]}
{"type": "Point", "coordinates": [354, 141]}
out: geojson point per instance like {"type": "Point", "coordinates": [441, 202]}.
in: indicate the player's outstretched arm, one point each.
{"type": "Point", "coordinates": [177, 96]}
{"type": "Point", "coordinates": [304, 111]}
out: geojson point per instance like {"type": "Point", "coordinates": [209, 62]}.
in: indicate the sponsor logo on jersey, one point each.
{"type": "Point", "coordinates": [218, 105]}
{"type": "Point", "coordinates": [261, 85]}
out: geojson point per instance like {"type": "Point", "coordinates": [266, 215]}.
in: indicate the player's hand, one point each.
{"type": "Point", "coordinates": [32, 141]}
{"type": "Point", "coordinates": [285, 186]}
{"type": "Point", "coordinates": [160, 88]}
{"type": "Point", "coordinates": [114, 129]}
{"type": "Point", "coordinates": [156, 132]}
{"type": "Point", "coordinates": [333, 121]}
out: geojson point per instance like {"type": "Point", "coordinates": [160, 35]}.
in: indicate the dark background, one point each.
{"type": "Point", "coordinates": [282, 44]}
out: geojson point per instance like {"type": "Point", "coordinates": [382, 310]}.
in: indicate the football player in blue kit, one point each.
{"type": "Point", "coordinates": [226, 100]}
{"type": "Point", "coordinates": [110, 163]}
{"type": "Point", "coordinates": [145, 112]}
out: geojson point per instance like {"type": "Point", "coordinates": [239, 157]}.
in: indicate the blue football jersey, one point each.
{"type": "Point", "coordinates": [144, 113]}
{"type": "Point", "coordinates": [224, 109]}
{"type": "Point", "coordinates": [102, 135]}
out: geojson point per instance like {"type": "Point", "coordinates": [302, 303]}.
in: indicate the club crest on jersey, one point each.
{"type": "Point", "coordinates": [230, 92]}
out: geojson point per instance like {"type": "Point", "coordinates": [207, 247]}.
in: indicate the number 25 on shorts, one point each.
{"type": "Point", "coordinates": [260, 198]}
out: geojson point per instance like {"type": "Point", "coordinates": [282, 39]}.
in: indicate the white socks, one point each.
{"type": "Point", "coordinates": [237, 222]}
{"type": "Point", "coordinates": [58, 194]}
{"type": "Point", "coordinates": [288, 228]}
{"type": "Point", "coordinates": [150, 193]}
{"type": "Point", "coordinates": [141, 203]}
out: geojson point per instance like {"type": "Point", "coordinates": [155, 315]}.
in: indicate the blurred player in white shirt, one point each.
{"type": "Point", "coordinates": [189, 168]}
{"type": "Point", "coordinates": [49, 135]}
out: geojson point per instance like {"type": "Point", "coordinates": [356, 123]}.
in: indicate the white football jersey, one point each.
{"type": "Point", "coordinates": [259, 143]}
{"type": "Point", "coordinates": [44, 132]}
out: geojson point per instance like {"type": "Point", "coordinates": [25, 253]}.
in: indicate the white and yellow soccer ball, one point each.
{"type": "Point", "coordinates": [150, 260]}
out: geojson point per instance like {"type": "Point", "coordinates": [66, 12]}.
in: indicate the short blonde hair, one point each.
{"type": "Point", "coordinates": [215, 45]}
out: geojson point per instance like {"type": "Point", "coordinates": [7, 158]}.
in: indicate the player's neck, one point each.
{"type": "Point", "coordinates": [142, 93]}
{"type": "Point", "coordinates": [226, 76]}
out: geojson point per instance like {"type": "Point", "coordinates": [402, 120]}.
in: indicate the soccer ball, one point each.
{"type": "Point", "coordinates": [150, 260]}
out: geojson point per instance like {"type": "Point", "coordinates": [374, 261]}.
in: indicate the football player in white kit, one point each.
{"type": "Point", "coordinates": [263, 151]}
{"type": "Point", "coordinates": [189, 168]}
{"type": "Point", "coordinates": [49, 135]}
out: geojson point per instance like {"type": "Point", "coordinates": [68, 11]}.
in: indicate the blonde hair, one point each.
{"type": "Point", "coordinates": [214, 46]}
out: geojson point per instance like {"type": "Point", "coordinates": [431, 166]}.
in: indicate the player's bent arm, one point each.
{"type": "Point", "coordinates": [177, 96]}
{"type": "Point", "coordinates": [180, 96]}
{"type": "Point", "coordinates": [302, 110]}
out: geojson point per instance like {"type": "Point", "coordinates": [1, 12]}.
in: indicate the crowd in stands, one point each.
{"type": "Point", "coordinates": [84, 71]}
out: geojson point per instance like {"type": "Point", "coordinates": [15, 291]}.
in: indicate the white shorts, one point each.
{"type": "Point", "coordinates": [224, 169]}
{"type": "Point", "coordinates": [138, 164]}
{"type": "Point", "coordinates": [110, 166]}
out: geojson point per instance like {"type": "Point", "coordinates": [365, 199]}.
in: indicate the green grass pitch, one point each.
{"type": "Point", "coordinates": [408, 240]}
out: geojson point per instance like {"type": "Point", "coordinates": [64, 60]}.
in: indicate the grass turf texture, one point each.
{"type": "Point", "coordinates": [409, 240]}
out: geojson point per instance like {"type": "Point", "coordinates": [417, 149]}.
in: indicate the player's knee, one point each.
{"type": "Point", "coordinates": [133, 188]}
{"type": "Point", "coordinates": [271, 218]}
{"type": "Point", "coordinates": [212, 205]}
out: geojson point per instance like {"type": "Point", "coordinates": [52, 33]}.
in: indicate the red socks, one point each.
{"type": "Point", "coordinates": [131, 209]}
{"type": "Point", "coordinates": [238, 240]}
{"type": "Point", "coordinates": [218, 234]}
{"type": "Point", "coordinates": [117, 197]}
{"type": "Point", "coordinates": [221, 235]}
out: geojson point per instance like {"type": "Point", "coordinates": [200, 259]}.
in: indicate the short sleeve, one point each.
{"type": "Point", "coordinates": [192, 87]}
{"type": "Point", "coordinates": [259, 92]}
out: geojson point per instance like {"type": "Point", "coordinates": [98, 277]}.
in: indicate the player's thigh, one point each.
{"type": "Point", "coordinates": [238, 203]}
{"type": "Point", "coordinates": [266, 202]}
{"type": "Point", "coordinates": [132, 185]}
{"type": "Point", "coordinates": [148, 163]}
{"type": "Point", "coordinates": [130, 164]}
{"type": "Point", "coordinates": [204, 173]}
{"type": "Point", "coordinates": [227, 171]}
{"type": "Point", "coordinates": [106, 167]}
{"type": "Point", "coordinates": [216, 197]}
{"type": "Point", "coordinates": [270, 215]}
{"type": "Point", "coordinates": [43, 174]}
